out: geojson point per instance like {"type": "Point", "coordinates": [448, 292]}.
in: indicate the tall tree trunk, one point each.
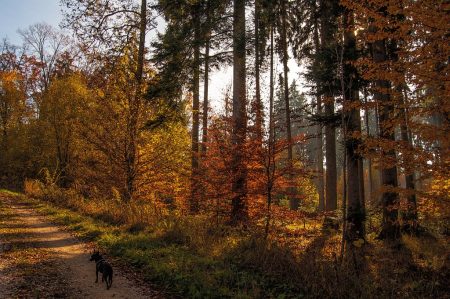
{"type": "Point", "coordinates": [390, 200]}
{"type": "Point", "coordinates": [205, 100]}
{"type": "Point", "coordinates": [135, 109]}
{"type": "Point", "coordinates": [327, 44]}
{"type": "Point", "coordinates": [319, 135]}
{"type": "Point", "coordinates": [409, 217]}
{"type": "Point", "coordinates": [319, 157]}
{"type": "Point", "coordinates": [293, 201]}
{"type": "Point", "coordinates": [194, 204]}
{"type": "Point", "coordinates": [362, 195]}
{"type": "Point", "coordinates": [330, 156]}
{"type": "Point", "coordinates": [369, 160]}
{"type": "Point", "coordinates": [239, 211]}
{"type": "Point", "coordinates": [352, 127]}
{"type": "Point", "coordinates": [142, 32]}
{"type": "Point", "coordinates": [259, 108]}
{"type": "Point", "coordinates": [271, 142]}
{"type": "Point", "coordinates": [271, 88]}
{"type": "Point", "coordinates": [379, 196]}
{"type": "Point", "coordinates": [206, 86]}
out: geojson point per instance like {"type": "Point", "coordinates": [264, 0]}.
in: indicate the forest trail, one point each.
{"type": "Point", "coordinates": [40, 260]}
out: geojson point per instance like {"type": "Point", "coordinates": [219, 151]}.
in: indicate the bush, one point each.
{"type": "Point", "coordinates": [33, 188]}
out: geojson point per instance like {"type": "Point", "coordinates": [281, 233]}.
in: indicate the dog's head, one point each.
{"type": "Point", "coordinates": [96, 256]}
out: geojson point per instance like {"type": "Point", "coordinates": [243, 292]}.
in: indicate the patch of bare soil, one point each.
{"type": "Point", "coordinates": [40, 260]}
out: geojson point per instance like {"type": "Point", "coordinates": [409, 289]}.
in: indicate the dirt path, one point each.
{"type": "Point", "coordinates": [40, 260]}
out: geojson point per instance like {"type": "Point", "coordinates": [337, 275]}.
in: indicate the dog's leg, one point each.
{"type": "Point", "coordinates": [96, 275]}
{"type": "Point", "coordinates": [110, 279]}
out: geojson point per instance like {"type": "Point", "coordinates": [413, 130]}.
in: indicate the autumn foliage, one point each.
{"type": "Point", "coordinates": [108, 124]}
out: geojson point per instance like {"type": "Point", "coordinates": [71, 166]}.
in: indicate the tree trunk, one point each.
{"type": "Point", "coordinates": [142, 32]}
{"type": "Point", "coordinates": [205, 101]}
{"type": "Point", "coordinates": [293, 201]}
{"type": "Point", "coordinates": [390, 200]}
{"type": "Point", "coordinates": [135, 103]}
{"type": "Point", "coordinates": [271, 89]}
{"type": "Point", "coordinates": [271, 142]}
{"type": "Point", "coordinates": [319, 135]}
{"type": "Point", "coordinates": [330, 156]}
{"type": "Point", "coordinates": [355, 212]}
{"type": "Point", "coordinates": [206, 87]}
{"type": "Point", "coordinates": [319, 157]}
{"type": "Point", "coordinates": [4, 135]}
{"type": "Point", "coordinates": [259, 108]}
{"type": "Point", "coordinates": [239, 211]}
{"type": "Point", "coordinates": [195, 112]}
{"type": "Point", "coordinates": [327, 44]}
{"type": "Point", "coordinates": [379, 195]}
{"type": "Point", "coordinates": [369, 160]}
{"type": "Point", "coordinates": [409, 217]}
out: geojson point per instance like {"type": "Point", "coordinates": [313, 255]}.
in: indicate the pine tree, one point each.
{"type": "Point", "coordinates": [352, 129]}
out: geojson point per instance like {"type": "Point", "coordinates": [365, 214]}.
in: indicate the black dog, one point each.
{"type": "Point", "coordinates": [103, 267]}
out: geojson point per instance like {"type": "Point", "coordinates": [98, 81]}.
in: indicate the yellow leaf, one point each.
{"type": "Point", "coordinates": [358, 243]}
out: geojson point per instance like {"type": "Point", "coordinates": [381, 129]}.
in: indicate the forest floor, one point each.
{"type": "Point", "coordinates": [39, 259]}
{"type": "Point", "coordinates": [191, 258]}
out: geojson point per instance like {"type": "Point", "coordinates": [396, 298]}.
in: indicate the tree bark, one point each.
{"type": "Point", "coordinates": [319, 135]}
{"type": "Point", "coordinates": [271, 142]}
{"type": "Point", "coordinates": [409, 217]}
{"type": "Point", "coordinates": [4, 130]}
{"type": "Point", "coordinates": [327, 41]}
{"type": "Point", "coordinates": [135, 103]}
{"type": "Point", "coordinates": [142, 32]}
{"type": "Point", "coordinates": [390, 199]}
{"type": "Point", "coordinates": [259, 108]}
{"type": "Point", "coordinates": [195, 112]}
{"type": "Point", "coordinates": [205, 101]}
{"type": "Point", "coordinates": [206, 87]}
{"type": "Point", "coordinates": [355, 212]}
{"type": "Point", "coordinates": [369, 160]}
{"type": "Point", "coordinates": [239, 213]}
{"type": "Point", "coordinates": [293, 201]}
{"type": "Point", "coordinates": [271, 89]}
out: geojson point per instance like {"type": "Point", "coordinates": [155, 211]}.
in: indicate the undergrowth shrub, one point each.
{"type": "Point", "coordinates": [33, 188]}
{"type": "Point", "coordinates": [137, 215]}
{"type": "Point", "coordinates": [175, 233]}
{"type": "Point", "coordinates": [266, 257]}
